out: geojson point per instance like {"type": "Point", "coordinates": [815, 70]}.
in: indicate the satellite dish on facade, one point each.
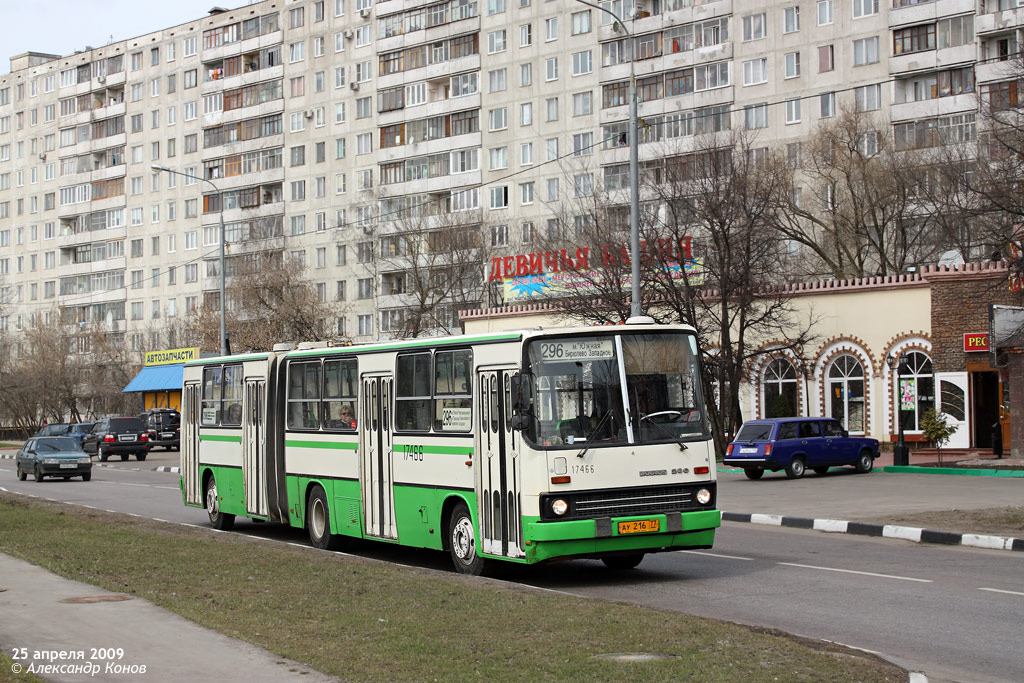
{"type": "Point", "coordinates": [951, 258]}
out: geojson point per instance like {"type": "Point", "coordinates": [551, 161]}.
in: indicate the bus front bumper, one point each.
{"type": "Point", "coordinates": [595, 537]}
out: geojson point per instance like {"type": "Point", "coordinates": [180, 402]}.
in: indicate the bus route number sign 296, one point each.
{"type": "Point", "coordinates": [581, 349]}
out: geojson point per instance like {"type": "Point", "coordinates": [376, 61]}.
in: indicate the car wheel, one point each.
{"type": "Point", "coordinates": [820, 470]}
{"type": "Point", "coordinates": [462, 543]}
{"type": "Point", "coordinates": [622, 562]}
{"type": "Point", "coordinates": [318, 521]}
{"type": "Point", "coordinates": [795, 468]}
{"type": "Point", "coordinates": [865, 462]}
{"type": "Point", "coordinates": [87, 476]}
{"type": "Point", "coordinates": [38, 474]}
{"type": "Point", "coordinates": [124, 457]}
{"type": "Point", "coordinates": [104, 455]}
{"type": "Point", "coordinates": [22, 475]}
{"type": "Point", "coordinates": [218, 519]}
{"type": "Point", "coordinates": [141, 456]}
{"type": "Point", "coordinates": [753, 472]}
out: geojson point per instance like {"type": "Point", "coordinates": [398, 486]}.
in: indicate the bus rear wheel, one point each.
{"type": "Point", "coordinates": [218, 519]}
{"type": "Point", "coordinates": [462, 543]}
{"type": "Point", "coordinates": [318, 521]}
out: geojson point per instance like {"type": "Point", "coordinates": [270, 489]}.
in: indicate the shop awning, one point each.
{"type": "Point", "coordinates": [156, 378]}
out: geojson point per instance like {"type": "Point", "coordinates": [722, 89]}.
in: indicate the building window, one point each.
{"type": "Point", "coordinates": [845, 387]}
{"type": "Point", "coordinates": [914, 390]}
{"type": "Point", "coordinates": [865, 51]}
{"type": "Point", "coordinates": [790, 19]}
{"type": "Point", "coordinates": [825, 12]}
{"type": "Point", "coordinates": [779, 389]}
{"type": "Point", "coordinates": [865, 8]}
{"type": "Point", "coordinates": [754, 27]}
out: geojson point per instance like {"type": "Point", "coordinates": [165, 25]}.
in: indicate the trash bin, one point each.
{"type": "Point", "coordinates": [997, 440]}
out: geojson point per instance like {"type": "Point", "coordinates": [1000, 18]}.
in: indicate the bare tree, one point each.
{"type": "Point", "coordinates": [430, 263]}
{"type": "Point", "coordinates": [853, 201]}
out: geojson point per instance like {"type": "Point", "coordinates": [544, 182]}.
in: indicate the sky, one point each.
{"type": "Point", "coordinates": [63, 26]}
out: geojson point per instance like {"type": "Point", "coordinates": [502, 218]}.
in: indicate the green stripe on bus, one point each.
{"type": "Point", "coordinates": [339, 445]}
{"type": "Point", "coordinates": [439, 450]}
{"type": "Point", "coordinates": [220, 437]}
{"type": "Point", "coordinates": [228, 359]}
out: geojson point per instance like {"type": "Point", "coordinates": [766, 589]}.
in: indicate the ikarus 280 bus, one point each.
{"type": "Point", "coordinates": [525, 446]}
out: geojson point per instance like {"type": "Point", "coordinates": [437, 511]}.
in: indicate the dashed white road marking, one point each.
{"type": "Point", "coordinates": [999, 590]}
{"type": "Point", "coordinates": [853, 571]}
{"type": "Point", "coordinates": [724, 557]}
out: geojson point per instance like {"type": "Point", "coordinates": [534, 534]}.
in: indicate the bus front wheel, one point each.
{"type": "Point", "coordinates": [622, 562]}
{"type": "Point", "coordinates": [462, 543]}
{"type": "Point", "coordinates": [218, 519]}
{"type": "Point", "coordinates": [318, 522]}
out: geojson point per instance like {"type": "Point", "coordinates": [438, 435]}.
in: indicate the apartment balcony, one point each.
{"type": "Point", "coordinates": [998, 22]}
{"type": "Point", "coordinates": [272, 175]}
{"type": "Point", "coordinates": [251, 111]}
{"type": "Point", "coordinates": [959, 55]}
{"type": "Point", "coordinates": [990, 72]}
{"type": "Point", "coordinates": [242, 46]}
{"type": "Point", "coordinates": [940, 106]}
{"type": "Point", "coordinates": [116, 171]}
{"type": "Point", "coordinates": [108, 111]}
{"type": "Point", "coordinates": [243, 79]}
{"type": "Point", "coordinates": [230, 215]}
{"type": "Point", "coordinates": [914, 62]}
{"type": "Point", "coordinates": [69, 240]}
{"type": "Point", "coordinates": [242, 146]}
{"type": "Point", "coordinates": [430, 72]}
{"type": "Point", "coordinates": [110, 141]}
{"type": "Point", "coordinates": [921, 14]}
{"type": "Point", "coordinates": [430, 109]}
{"type": "Point", "coordinates": [109, 80]}
{"type": "Point", "coordinates": [104, 297]}
{"type": "Point", "coordinates": [427, 35]}
{"type": "Point", "coordinates": [72, 269]}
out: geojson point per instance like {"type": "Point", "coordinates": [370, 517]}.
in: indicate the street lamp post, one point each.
{"type": "Point", "coordinates": [900, 452]}
{"type": "Point", "coordinates": [636, 310]}
{"type": "Point", "coordinates": [223, 302]}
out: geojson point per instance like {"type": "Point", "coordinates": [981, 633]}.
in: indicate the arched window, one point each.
{"type": "Point", "coordinates": [914, 388]}
{"type": "Point", "coordinates": [845, 388]}
{"type": "Point", "coordinates": [779, 389]}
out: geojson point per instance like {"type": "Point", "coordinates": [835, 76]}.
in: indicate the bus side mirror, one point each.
{"type": "Point", "coordinates": [516, 385]}
{"type": "Point", "coordinates": [520, 422]}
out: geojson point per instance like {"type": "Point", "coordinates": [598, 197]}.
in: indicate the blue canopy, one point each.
{"type": "Point", "coordinates": [157, 378]}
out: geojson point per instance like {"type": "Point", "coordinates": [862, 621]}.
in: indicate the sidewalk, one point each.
{"type": "Point", "coordinates": [84, 633]}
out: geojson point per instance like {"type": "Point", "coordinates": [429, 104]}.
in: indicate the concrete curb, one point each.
{"type": "Point", "coordinates": [905, 533]}
{"type": "Point", "coordinates": [962, 471]}
{"type": "Point", "coordinates": [162, 468]}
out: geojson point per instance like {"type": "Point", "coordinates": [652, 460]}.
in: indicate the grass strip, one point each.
{"type": "Point", "coordinates": [366, 620]}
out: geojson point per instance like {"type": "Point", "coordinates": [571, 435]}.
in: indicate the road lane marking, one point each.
{"type": "Point", "coordinates": [999, 590]}
{"type": "Point", "coordinates": [852, 571]}
{"type": "Point", "coordinates": [724, 557]}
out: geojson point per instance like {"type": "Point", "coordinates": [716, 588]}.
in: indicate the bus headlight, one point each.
{"type": "Point", "coordinates": [559, 506]}
{"type": "Point", "coordinates": [703, 496]}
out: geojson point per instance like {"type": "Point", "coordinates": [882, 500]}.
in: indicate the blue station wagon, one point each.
{"type": "Point", "coordinates": [794, 444]}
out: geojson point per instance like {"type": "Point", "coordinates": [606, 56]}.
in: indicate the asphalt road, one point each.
{"type": "Point", "coordinates": [952, 613]}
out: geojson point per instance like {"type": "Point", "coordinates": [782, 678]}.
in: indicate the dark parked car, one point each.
{"type": "Point", "coordinates": [163, 426]}
{"type": "Point", "coordinates": [53, 456]}
{"type": "Point", "coordinates": [122, 436]}
{"type": "Point", "coordinates": [78, 430]}
{"type": "Point", "coordinates": [53, 429]}
{"type": "Point", "coordinates": [796, 443]}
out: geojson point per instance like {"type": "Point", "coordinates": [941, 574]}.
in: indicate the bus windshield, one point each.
{"type": "Point", "coordinates": [611, 389]}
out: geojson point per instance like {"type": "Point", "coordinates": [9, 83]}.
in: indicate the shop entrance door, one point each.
{"type": "Point", "coordinates": [984, 406]}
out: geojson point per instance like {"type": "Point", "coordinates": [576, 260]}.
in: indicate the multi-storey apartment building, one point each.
{"type": "Point", "coordinates": [307, 124]}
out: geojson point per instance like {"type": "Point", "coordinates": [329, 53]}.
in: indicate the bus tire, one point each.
{"type": "Point", "coordinates": [461, 542]}
{"type": "Point", "coordinates": [318, 521]}
{"type": "Point", "coordinates": [218, 519]}
{"type": "Point", "coordinates": [623, 562]}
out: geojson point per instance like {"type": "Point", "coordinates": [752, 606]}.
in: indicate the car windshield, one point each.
{"type": "Point", "coordinates": [81, 428]}
{"type": "Point", "coordinates": [579, 398]}
{"type": "Point", "coordinates": [56, 443]}
{"type": "Point", "coordinates": [755, 431]}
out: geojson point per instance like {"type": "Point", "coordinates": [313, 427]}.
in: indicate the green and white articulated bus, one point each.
{"type": "Point", "coordinates": [521, 446]}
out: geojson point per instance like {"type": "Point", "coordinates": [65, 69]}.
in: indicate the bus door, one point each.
{"type": "Point", "coordinates": [375, 442]}
{"type": "Point", "coordinates": [254, 444]}
{"type": "Point", "coordinates": [498, 467]}
{"type": "Point", "coordinates": [190, 444]}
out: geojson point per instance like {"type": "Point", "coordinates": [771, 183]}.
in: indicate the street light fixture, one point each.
{"type": "Point", "coordinates": [636, 310]}
{"type": "Point", "coordinates": [900, 452]}
{"type": "Point", "coordinates": [223, 302]}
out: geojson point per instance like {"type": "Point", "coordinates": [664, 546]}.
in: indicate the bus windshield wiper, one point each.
{"type": "Point", "coordinates": [678, 440]}
{"type": "Point", "coordinates": [592, 432]}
